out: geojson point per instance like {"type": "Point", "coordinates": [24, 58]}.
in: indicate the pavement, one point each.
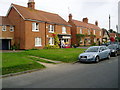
{"type": "Point", "coordinates": [78, 75]}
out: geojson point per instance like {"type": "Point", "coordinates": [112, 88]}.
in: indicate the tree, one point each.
{"type": "Point", "coordinates": [79, 37]}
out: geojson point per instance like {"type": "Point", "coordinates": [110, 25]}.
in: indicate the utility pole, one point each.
{"type": "Point", "coordinates": [109, 22]}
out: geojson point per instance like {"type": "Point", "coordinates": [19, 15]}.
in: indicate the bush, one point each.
{"type": "Point", "coordinates": [52, 47]}
{"type": "Point", "coordinates": [94, 44]}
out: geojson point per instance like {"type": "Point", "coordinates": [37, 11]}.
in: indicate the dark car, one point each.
{"type": "Point", "coordinates": [115, 49]}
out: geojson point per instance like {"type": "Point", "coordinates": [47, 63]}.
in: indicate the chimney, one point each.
{"type": "Point", "coordinates": [70, 17]}
{"type": "Point", "coordinates": [85, 20]}
{"type": "Point", "coordinates": [31, 4]}
{"type": "Point", "coordinates": [96, 23]}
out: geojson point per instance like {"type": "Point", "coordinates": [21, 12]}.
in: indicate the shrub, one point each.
{"type": "Point", "coordinates": [52, 46]}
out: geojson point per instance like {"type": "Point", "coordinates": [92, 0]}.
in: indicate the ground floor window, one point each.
{"type": "Point", "coordinates": [38, 41]}
{"type": "Point", "coordinates": [51, 41]}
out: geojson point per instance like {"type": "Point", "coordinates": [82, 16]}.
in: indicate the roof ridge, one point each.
{"type": "Point", "coordinates": [34, 9]}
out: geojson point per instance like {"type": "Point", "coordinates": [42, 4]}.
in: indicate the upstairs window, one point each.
{"type": "Point", "coordinates": [100, 33]}
{"type": "Point", "coordinates": [38, 42]}
{"type": "Point", "coordinates": [51, 41]}
{"type": "Point", "coordinates": [88, 32]}
{"type": "Point", "coordinates": [35, 27]}
{"type": "Point", "coordinates": [11, 28]}
{"type": "Point", "coordinates": [3, 28]}
{"type": "Point", "coordinates": [81, 31]}
{"type": "Point", "coordinates": [64, 30]}
{"type": "Point", "coordinates": [51, 28]}
{"type": "Point", "coordinates": [94, 32]}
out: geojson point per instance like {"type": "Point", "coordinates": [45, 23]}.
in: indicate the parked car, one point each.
{"type": "Point", "coordinates": [115, 49]}
{"type": "Point", "coordinates": [95, 54]}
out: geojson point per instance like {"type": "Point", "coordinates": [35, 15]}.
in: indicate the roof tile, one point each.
{"type": "Point", "coordinates": [34, 14]}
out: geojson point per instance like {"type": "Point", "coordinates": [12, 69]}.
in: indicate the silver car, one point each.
{"type": "Point", "coordinates": [95, 54]}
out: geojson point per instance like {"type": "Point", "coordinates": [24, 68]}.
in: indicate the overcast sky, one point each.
{"type": "Point", "coordinates": [93, 9]}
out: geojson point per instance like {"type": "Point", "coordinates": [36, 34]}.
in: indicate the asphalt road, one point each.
{"type": "Point", "coordinates": [79, 75]}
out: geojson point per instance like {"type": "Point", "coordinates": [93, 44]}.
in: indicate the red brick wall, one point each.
{"type": "Point", "coordinates": [19, 33]}
{"type": "Point", "coordinates": [31, 35]}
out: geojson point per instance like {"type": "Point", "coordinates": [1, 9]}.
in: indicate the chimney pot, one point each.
{"type": "Point", "coordinates": [31, 4]}
{"type": "Point", "coordinates": [70, 17]}
{"type": "Point", "coordinates": [85, 20]}
{"type": "Point", "coordinates": [96, 23]}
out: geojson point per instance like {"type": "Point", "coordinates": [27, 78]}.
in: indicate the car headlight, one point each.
{"type": "Point", "coordinates": [90, 56]}
{"type": "Point", "coordinates": [113, 50]}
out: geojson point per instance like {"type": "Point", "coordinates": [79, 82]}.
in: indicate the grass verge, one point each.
{"type": "Point", "coordinates": [18, 62]}
{"type": "Point", "coordinates": [64, 55]}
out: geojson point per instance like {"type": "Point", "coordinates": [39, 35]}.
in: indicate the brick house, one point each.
{"type": "Point", "coordinates": [6, 33]}
{"type": "Point", "coordinates": [86, 29]}
{"type": "Point", "coordinates": [34, 28]}
{"type": "Point", "coordinates": [106, 36]}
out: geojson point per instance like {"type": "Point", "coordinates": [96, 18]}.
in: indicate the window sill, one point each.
{"type": "Point", "coordinates": [51, 32]}
{"type": "Point", "coordinates": [38, 45]}
{"type": "Point", "coordinates": [64, 33]}
{"type": "Point", "coordinates": [3, 30]}
{"type": "Point", "coordinates": [35, 30]}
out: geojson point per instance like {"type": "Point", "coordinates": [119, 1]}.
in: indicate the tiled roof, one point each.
{"type": "Point", "coordinates": [104, 30]}
{"type": "Point", "coordinates": [83, 24]}
{"type": "Point", "coordinates": [4, 21]}
{"type": "Point", "coordinates": [112, 34]}
{"type": "Point", "coordinates": [34, 14]}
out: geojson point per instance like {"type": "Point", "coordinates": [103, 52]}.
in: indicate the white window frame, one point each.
{"type": "Point", "coordinates": [11, 28]}
{"type": "Point", "coordinates": [81, 31]}
{"type": "Point", "coordinates": [94, 32]}
{"type": "Point", "coordinates": [35, 27]}
{"type": "Point", "coordinates": [38, 42]}
{"type": "Point", "coordinates": [100, 33]}
{"type": "Point", "coordinates": [51, 28]}
{"type": "Point", "coordinates": [88, 32]}
{"type": "Point", "coordinates": [4, 28]}
{"type": "Point", "coordinates": [51, 41]}
{"type": "Point", "coordinates": [94, 39]}
{"type": "Point", "coordinates": [64, 31]}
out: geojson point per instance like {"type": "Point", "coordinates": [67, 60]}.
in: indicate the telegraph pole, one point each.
{"type": "Point", "coordinates": [109, 22]}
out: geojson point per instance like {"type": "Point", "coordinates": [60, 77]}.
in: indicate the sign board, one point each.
{"type": "Point", "coordinates": [66, 37]}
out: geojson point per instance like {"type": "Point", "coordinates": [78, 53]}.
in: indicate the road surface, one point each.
{"type": "Point", "coordinates": [79, 75]}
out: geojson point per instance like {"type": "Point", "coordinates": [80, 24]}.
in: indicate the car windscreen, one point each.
{"type": "Point", "coordinates": [92, 49]}
{"type": "Point", "coordinates": [112, 47]}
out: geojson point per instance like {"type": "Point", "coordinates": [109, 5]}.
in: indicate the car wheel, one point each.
{"type": "Point", "coordinates": [97, 59]}
{"type": "Point", "coordinates": [108, 56]}
{"type": "Point", "coordinates": [115, 54]}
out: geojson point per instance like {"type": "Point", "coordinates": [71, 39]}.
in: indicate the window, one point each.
{"type": "Point", "coordinates": [51, 41]}
{"type": "Point", "coordinates": [100, 33]}
{"type": "Point", "coordinates": [3, 28]}
{"type": "Point", "coordinates": [64, 30]}
{"type": "Point", "coordinates": [80, 31]}
{"type": "Point", "coordinates": [38, 42]}
{"type": "Point", "coordinates": [11, 28]}
{"type": "Point", "coordinates": [51, 28]}
{"type": "Point", "coordinates": [94, 39]}
{"type": "Point", "coordinates": [94, 32]}
{"type": "Point", "coordinates": [35, 27]}
{"type": "Point", "coordinates": [88, 32]}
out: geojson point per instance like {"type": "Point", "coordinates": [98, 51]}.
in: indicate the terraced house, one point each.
{"type": "Point", "coordinates": [84, 33]}
{"type": "Point", "coordinates": [29, 28]}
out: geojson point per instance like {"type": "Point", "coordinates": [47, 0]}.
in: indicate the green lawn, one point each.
{"type": "Point", "coordinates": [21, 61]}
{"type": "Point", "coordinates": [17, 62]}
{"type": "Point", "coordinates": [64, 55]}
